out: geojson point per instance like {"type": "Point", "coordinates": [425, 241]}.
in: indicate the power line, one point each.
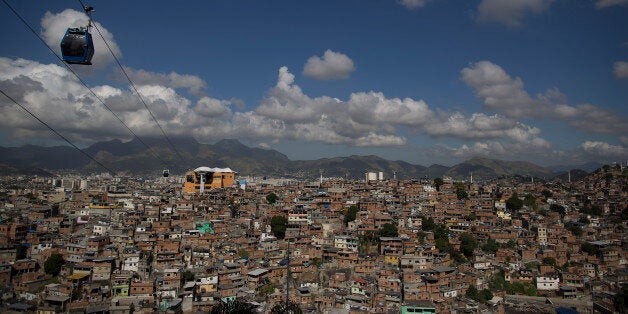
{"type": "Point", "coordinates": [55, 132]}
{"type": "Point", "coordinates": [136, 91]}
{"type": "Point", "coordinates": [83, 82]}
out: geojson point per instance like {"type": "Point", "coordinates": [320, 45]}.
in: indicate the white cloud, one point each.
{"type": "Point", "coordinates": [372, 107]}
{"type": "Point", "coordinates": [211, 107]}
{"type": "Point", "coordinates": [55, 25]}
{"type": "Point", "coordinates": [481, 126]}
{"type": "Point", "coordinates": [195, 84]}
{"type": "Point", "coordinates": [366, 119]}
{"type": "Point", "coordinates": [264, 146]}
{"type": "Point", "coordinates": [600, 4]}
{"type": "Point", "coordinates": [533, 149]}
{"type": "Point", "coordinates": [620, 69]}
{"type": "Point", "coordinates": [286, 101]}
{"type": "Point", "coordinates": [413, 4]}
{"type": "Point", "coordinates": [56, 96]}
{"type": "Point", "coordinates": [511, 12]}
{"type": "Point", "coordinates": [500, 92]}
{"type": "Point", "coordinates": [604, 149]}
{"type": "Point", "coordinates": [506, 95]}
{"type": "Point", "coordinates": [332, 66]}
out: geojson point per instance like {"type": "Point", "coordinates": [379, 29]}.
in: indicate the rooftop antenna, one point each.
{"type": "Point", "coordinates": [321, 171]}
{"type": "Point", "coordinates": [288, 275]}
{"type": "Point", "coordinates": [202, 187]}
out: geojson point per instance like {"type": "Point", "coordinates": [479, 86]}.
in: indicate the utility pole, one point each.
{"type": "Point", "coordinates": [288, 275]}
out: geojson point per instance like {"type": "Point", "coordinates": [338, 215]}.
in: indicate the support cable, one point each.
{"type": "Point", "coordinates": [83, 82]}
{"type": "Point", "coordinates": [174, 149]}
{"type": "Point", "coordinates": [57, 133]}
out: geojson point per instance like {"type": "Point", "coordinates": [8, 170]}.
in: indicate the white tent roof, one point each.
{"type": "Point", "coordinates": [207, 169]}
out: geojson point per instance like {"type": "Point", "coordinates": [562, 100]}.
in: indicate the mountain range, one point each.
{"type": "Point", "coordinates": [134, 157]}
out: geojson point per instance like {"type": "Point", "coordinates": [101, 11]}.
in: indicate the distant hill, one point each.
{"type": "Point", "coordinates": [574, 174]}
{"type": "Point", "coordinates": [588, 167]}
{"type": "Point", "coordinates": [25, 171]}
{"type": "Point", "coordinates": [357, 166]}
{"type": "Point", "coordinates": [134, 157]}
{"type": "Point", "coordinates": [491, 168]}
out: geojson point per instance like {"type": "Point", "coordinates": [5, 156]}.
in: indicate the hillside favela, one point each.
{"type": "Point", "coordinates": [210, 239]}
{"type": "Point", "coordinates": [314, 157]}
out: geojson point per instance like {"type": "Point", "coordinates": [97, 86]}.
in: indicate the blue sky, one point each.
{"type": "Point", "coordinates": [425, 81]}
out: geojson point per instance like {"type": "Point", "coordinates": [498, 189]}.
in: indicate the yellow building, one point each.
{"type": "Point", "coordinates": [205, 178]}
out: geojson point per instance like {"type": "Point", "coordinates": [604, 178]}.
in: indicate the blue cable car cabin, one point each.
{"type": "Point", "coordinates": [77, 46]}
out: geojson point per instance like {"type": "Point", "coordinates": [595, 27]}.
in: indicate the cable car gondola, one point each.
{"type": "Point", "coordinates": [77, 46]}
{"type": "Point", "coordinates": [166, 173]}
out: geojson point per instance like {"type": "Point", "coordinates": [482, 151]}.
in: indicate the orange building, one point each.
{"type": "Point", "coordinates": [205, 178]}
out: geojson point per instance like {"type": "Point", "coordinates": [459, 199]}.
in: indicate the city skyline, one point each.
{"type": "Point", "coordinates": [420, 81]}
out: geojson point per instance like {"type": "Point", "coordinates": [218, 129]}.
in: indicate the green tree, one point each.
{"type": "Point", "coordinates": [549, 261]}
{"type": "Point", "coordinates": [511, 244]}
{"type": "Point", "coordinates": [547, 193]}
{"type": "Point", "coordinates": [282, 307]}
{"type": "Point", "coordinates": [271, 198]}
{"type": "Point", "coordinates": [529, 201]}
{"type": "Point", "coordinates": [350, 214]}
{"type": "Point", "coordinates": [574, 228]}
{"type": "Point", "coordinates": [593, 210]}
{"type": "Point", "coordinates": [427, 223]}
{"type": "Point", "coordinates": [530, 289]}
{"type": "Point", "coordinates": [76, 294]}
{"type": "Point", "coordinates": [472, 293]}
{"type": "Point", "coordinates": [188, 276]}
{"type": "Point", "coordinates": [243, 253]}
{"type": "Point", "coordinates": [485, 295]}
{"type": "Point", "coordinates": [461, 191]}
{"type": "Point", "coordinates": [53, 264]}
{"type": "Point", "coordinates": [316, 262]}
{"type": "Point", "coordinates": [491, 246]}
{"type": "Point", "coordinates": [468, 244]}
{"type": "Point", "coordinates": [589, 248]}
{"type": "Point", "coordinates": [388, 230]}
{"type": "Point", "coordinates": [620, 301]}
{"type": "Point", "coordinates": [559, 209]}
{"type": "Point", "coordinates": [236, 306]}
{"type": "Point", "coordinates": [462, 194]}
{"type": "Point", "coordinates": [437, 183]}
{"type": "Point", "coordinates": [514, 203]}
{"type": "Point", "coordinates": [278, 226]}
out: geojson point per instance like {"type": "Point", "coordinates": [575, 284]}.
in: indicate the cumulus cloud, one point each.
{"type": "Point", "coordinates": [482, 126]}
{"type": "Point", "coordinates": [322, 119]}
{"type": "Point", "coordinates": [54, 94]}
{"type": "Point", "coordinates": [507, 95]}
{"type": "Point", "coordinates": [264, 146]}
{"type": "Point", "coordinates": [413, 4]}
{"type": "Point", "coordinates": [604, 149]}
{"type": "Point", "coordinates": [600, 4]}
{"type": "Point", "coordinates": [510, 13]}
{"type": "Point", "coordinates": [62, 101]}
{"type": "Point", "coordinates": [193, 83]}
{"type": "Point", "coordinates": [55, 25]}
{"type": "Point", "coordinates": [500, 92]}
{"type": "Point", "coordinates": [285, 113]}
{"type": "Point", "coordinates": [534, 148]}
{"type": "Point", "coordinates": [332, 66]}
{"type": "Point", "coordinates": [620, 69]}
